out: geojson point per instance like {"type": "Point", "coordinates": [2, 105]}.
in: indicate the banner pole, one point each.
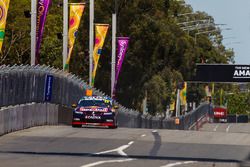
{"type": "Point", "coordinates": [91, 39]}
{"type": "Point", "coordinates": [33, 31]}
{"type": "Point", "coordinates": [65, 31]}
{"type": "Point", "coordinates": [113, 54]}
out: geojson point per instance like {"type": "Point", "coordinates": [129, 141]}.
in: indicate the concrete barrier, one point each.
{"type": "Point", "coordinates": [20, 117]}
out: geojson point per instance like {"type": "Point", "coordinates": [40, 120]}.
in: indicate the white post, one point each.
{"type": "Point", "coordinates": [113, 53]}
{"type": "Point", "coordinates": [177, 107]}
{"type": "Point", "coordinates": [65, 31]}
{"type": "Point", "coordinates": [91, 39]}
{"type": "Point", "coordinates": [33, 32]}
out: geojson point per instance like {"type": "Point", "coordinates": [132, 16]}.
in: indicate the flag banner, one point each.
{"type": "Point", "coordinates": [76, 11]}
{"type": "Point", "coordinates": [121, 52]}
{"type": "Point", "coordinates": [42, 10]}
{"type": "Point", "coordinates": [100, 35]}
{"type": "Point", "coordinates": [183, 94]}
{"type": "Point", "coordinates": [4, 6]}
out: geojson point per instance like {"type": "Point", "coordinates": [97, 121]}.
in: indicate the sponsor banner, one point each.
{"type": "Point", "coordinates": [100, 35]}
{"type": "Point", "coordinates": [122, 48]}
{"type": "Point", "coordinates": [76, 11]}
{"type": "Point", "coordinates": [48, 87]}
{"type": "Point", "coordinates": [222, 73]}
{"type": "Point", "coordinates": [4, 6]}
{"type": "Point", "coordinates": [42, 10]}
{"type": "Point", "coordinates": [183, 94]}
{"type": "Point", "coordinates": [220, 112]}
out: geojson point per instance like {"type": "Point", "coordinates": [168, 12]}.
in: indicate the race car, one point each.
{"type": "Point", "coordinates": [95, 111]}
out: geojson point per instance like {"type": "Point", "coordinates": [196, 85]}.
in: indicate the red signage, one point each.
{"type": "Point", "coordinates": [220, 112]}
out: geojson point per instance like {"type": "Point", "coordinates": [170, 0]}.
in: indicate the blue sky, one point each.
{"type": "Point", "coordinates": [234, 13]}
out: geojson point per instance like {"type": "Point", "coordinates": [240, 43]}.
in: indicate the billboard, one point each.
{"type": "Point", "coordinates": [222, 73]}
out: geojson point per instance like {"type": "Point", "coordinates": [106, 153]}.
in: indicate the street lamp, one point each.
{"type": "Point", "coordinates": [206, 32]}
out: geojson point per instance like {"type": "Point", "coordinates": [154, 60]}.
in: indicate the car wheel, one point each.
{"type": "Point", "coordinates": [76, 126]}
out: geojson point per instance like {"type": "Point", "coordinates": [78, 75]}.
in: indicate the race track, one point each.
{"type": "Point", "coordinates": [64, 146]}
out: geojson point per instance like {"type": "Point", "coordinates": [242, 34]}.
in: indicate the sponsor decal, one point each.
{"type": "Point", "coordinates": [242, 72]}
{"type": "Point", "coordinates": [92, 117]}
{"type": "Point", "coordinates": [94, 109]}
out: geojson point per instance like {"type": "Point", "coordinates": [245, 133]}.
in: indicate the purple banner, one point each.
{"type": "Point", "coordinates": [122, 48]}
{"type": "Point", "coordinates": [42, 10]}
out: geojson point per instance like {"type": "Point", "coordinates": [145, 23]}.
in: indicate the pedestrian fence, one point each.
{"type": "Point", "coordinates": [41, 95]}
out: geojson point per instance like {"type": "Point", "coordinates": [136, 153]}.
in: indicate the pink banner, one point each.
{"type": "Point", "coordinates": [42, 10]}
{"type": "Point", "coordinates": [122, 48]}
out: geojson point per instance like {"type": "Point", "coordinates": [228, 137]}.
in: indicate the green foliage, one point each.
{"type": "Point", "coordinates": [238, 103]}
{"type": "Point", "coordinates": [160, 53]}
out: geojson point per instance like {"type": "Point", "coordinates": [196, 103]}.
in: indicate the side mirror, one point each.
{"type": "Point", "coordinates": [73, 105]}
{"type": "Point", "coordinates": [116, 107]}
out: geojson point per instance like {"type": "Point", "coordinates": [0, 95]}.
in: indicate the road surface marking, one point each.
{"type": "Point", "coordinates": [227, 130]}
{"type": "Point", "coordinates": [154, 131]}
{"type": "Point", "coordinates": [216, 127]}
{"type": "Point", "coordinates": [178, 163]}
{"type": "Point", "coordinates": [119, 150]}
{"type": "Point", "coordinates": [108, 161]}
{"type": "Point", "coordinates": [143, 135]}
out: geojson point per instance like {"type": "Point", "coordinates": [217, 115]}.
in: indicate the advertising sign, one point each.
{"type": "Point", "coordinates": [220, 112]}
{"type": "Point", "coordinates": [222, 73]}
{"type": "Point", "coordinates": [48, 87]}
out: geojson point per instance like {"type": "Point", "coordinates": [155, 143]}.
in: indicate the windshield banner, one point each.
{"type": "Point", "coordinates": [76, 11]}
{"type": "Point", "coordinates": [4, 6]}
{"type": "Point", "coordinates": [100, 35]}
{"type": "Point", "coordinates": [42, 10]}
{"type": "Point", "coordinates": [122, 48]}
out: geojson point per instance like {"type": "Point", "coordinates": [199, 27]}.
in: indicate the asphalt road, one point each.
{"type": "Point", "coordinates": [227, 127]}
{"type": "Point", "coordinates": [54, 146]}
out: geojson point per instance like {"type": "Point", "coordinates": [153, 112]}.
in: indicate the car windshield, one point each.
{"type": "Point", "coordinates": [100, 103]}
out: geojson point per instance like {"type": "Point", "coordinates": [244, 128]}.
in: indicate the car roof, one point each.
{"type": "Point", "coordinates": [96, 98]}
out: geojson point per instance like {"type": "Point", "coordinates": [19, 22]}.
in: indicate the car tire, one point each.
{"type": "Point", "coordinates": [76, 126]}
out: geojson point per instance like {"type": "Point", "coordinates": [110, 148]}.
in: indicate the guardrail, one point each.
{"type": "Point", "coordinates": [27, 84]}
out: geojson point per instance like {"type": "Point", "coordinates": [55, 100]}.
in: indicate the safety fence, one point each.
{"type": "Point", "coordinates": [52, 91]}
{"type": "Point", "coordinates": [23, 116]}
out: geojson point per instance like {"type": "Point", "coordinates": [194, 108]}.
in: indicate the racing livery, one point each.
{"type": "Point", "coordinates": [95, 111]}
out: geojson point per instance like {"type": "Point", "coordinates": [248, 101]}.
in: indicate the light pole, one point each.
{"type": "Point", "coordinates": [65, 31]}
{"type": "Point", "coordinates": [33, 32]}
{"type": "Point", "coordinates": [91, 39]}
{"type": "Point", "coordinates": [113, 61]}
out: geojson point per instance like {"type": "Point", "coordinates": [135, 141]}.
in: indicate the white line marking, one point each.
{"type": "Point", "coordinates": [119, 150]}
{"type": "Point", "coordinates": [108, 161]}
{"type": "Point", "coordinates": [227, 130]}
{"type": "Point", "coordinates": [216, 127]}
{"type": "Point", "coordinates": [178, 163]}
{"type": "Point", "coordinates": [143, 135]}
{"type": "Point", "coordinates": [154, 131]}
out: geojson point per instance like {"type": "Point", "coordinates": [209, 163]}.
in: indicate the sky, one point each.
{"type": "Point", "coordinates": [236, 15]}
